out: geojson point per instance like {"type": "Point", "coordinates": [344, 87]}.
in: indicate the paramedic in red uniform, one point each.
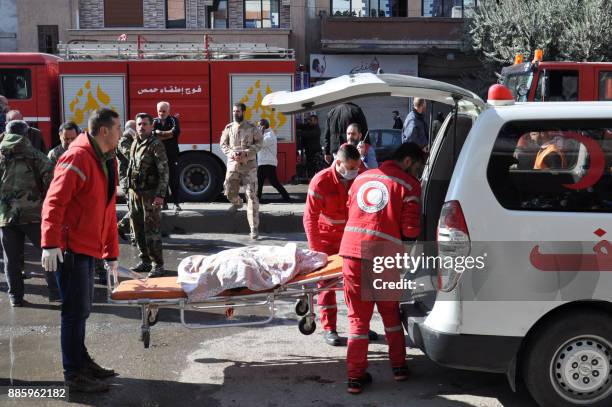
{"type": "Point", "coordinates": [384, 209]}
{"type": "Point", "coordinates": [324, 219]}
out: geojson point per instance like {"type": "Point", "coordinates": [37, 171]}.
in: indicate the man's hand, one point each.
{"type": "Point", "coordinates": [362, 148]}
{"type": "Point", "coordinates": [158, 201]}
{"type": "Point", "coordinates": [112, 267]}
{"type": "Point", "coordinates": [50, 259]}
{"type": "Point", "coordinates": [328, 158]}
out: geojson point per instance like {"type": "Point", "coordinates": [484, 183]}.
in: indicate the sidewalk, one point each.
{"type": "Point", "coordinates": [274, 217]}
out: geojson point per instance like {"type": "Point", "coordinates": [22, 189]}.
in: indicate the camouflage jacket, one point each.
{"type": "Point", "coordinates": [123, 155]}
{"type": "Point", "coordinates": [25, 176]}
{"type": "Point", "coordinates": [148, 168]}
{"type": "Point", "coordinates": [55, 153]}
{"type": "Point", "coordinates": [242, 137]}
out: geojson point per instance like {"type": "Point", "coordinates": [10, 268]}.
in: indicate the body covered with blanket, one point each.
{"type": "Point", "coordinates": [257, 268]}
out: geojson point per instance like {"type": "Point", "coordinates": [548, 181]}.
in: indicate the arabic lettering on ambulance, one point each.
{"type": "Point", "coordinates": [172, 89]}
{"type": "Point", "coordinates": [600, 260]}
{"type": "Point", "coordinates": [253, 99]}
{"type": "Point", "coordinates": [85, 101]}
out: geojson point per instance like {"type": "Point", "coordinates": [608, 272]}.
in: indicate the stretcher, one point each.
{"type": "Point", "coordinates": [153, 293]}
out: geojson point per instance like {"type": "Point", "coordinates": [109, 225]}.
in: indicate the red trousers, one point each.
{"type": "Point", "coordinates": [326, 300]}
{"type": "Point", "coordinates": [359, 316]}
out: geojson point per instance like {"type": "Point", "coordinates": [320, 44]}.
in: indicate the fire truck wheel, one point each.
{"type": "Point", "coordinates": [569, 362]}
{"type": "Point", "coordinates": [201, 177]}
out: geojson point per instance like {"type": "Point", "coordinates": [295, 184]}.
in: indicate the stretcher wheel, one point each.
{"type": "Point", "coordinates": [301, 308]}
{"type": "Point", "coordinates": [307, 325]}
{"type": "Point", "coordinates": [145, 337]}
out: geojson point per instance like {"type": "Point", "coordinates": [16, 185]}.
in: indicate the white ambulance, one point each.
{"type": "Point", "coordinates": [528, 188]}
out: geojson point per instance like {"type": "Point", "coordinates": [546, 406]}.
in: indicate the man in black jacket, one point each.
{"type": "Point", "coordinates": [338, 120]}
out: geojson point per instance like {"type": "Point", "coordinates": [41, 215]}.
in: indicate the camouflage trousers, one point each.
{"type": "Point", "coordinates": [246, 175]}
{"type": "Point", "coordinates": [145, 219]}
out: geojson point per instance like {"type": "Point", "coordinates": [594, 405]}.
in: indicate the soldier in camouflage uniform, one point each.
{"type": "Point", "coordinates": [123, 155]}
{"type": "Point", "coordinates": [147, 175]}
{"type": "Point", "coordinates": [240, 142]}
{"type": "Point", "coordinates": [25, 175]}
{"type": "Point", "coordinates": [67, 133]}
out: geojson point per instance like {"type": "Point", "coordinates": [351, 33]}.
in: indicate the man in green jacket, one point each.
{"type": "Point", "coordinates": [25, 175]}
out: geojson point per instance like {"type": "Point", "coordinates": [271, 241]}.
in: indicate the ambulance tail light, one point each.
{"type": "Point", "coordinates": [453, 240]}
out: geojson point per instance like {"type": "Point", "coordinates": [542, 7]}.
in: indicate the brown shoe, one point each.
{"type": "Point", "coordinates": [83, 384]}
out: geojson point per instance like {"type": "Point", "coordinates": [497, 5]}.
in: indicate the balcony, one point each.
{"type": "Point", "coordinates": [390, 34]}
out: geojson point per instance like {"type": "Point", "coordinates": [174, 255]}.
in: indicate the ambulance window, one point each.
{"type": "Point", "coordinates": [16, 83]}
{"type": "Point", "coordinates": [553, 166]}
{"type": "Point", "coordinates": [557, 86]}
{"type": "Point", "coordinates": [605, 86]}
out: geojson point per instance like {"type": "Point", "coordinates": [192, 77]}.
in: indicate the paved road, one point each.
{"type": "Point", "coordinates": [266, 366]}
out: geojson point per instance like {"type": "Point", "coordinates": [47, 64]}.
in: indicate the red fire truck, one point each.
{"type": "Point", "coordinates": [542, 80]}
{"type": "Point", "coordinates": [200, 81]}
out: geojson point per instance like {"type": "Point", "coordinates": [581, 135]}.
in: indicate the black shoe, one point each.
{"type": "Point", "coordinates": [25, 275]}
{"type": "Point", "coordinates": [83, 384]}
{"type": "Point", "coordinates": [332, 338]}
{"type": "Point", "coordinates": [133, 242]}
{"type": "Point", "coordinates": [142, 268]}
{"type": "Point", "coordinates": [17, 302]}
{"type": "Point", "coordinates": [400, 374]}
{"type": "Point", "coordinates": [54, 296]}
{"type": "Point", "coordinates": [158, 271]}
{"type": "Point", "coordinates": [165, 207]}
{"type": "Point", "coordinates": [373, 336]}
{"type": "Point", "coordinates": [355, 386]}
{"type": "Point", "coordinates": [177, 209]}
{"type": "Point", "coordinates": [92, 369]}
{"type": "Point", "coordinates": [164, 233]}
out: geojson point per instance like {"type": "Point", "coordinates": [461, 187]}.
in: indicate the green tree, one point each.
{"type": "Point", "coordinates": [575, 30]}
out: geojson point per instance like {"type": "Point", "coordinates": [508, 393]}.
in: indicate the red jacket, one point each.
{"type": "Point", "coordinates": [79, 211]}
{"type": "Point", "coordinates": [384, 206]}
{"type": "Point", "coordinates": [326, 211]}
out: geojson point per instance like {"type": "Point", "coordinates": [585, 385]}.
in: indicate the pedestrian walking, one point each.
{"type": "Point", "coordinates": [267, 162]}
{"type": "Point", "coordinates": [240, 142]}
{"type": "Point", "coordinates": [148, 183]}
{"type": "Point", "coordinates": [384, 209]}
{"type": "Point", "coordinates": [397, 120]}
{"type": "Point", "coordinates": [78, 226]}
{"type": "Point", "coordinates": [167, 129]}
{"type": "Point", "coordinates": [25, 175]}
{"type": "Point", "coordinates": [68, 132]}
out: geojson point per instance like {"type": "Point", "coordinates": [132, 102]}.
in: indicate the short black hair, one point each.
{"type": "Point", "coordinates": [241, 105]}
{"type": "Point", "coordinates": [69, 126]}
{"type": "Point", "coordinates": [348, 152]}
{"type": "Point", "coordinates": [265, 123]}
{"type": "Point", "coordinates": [355, 125]}
{"type": "Point", "coordinates": [101, 118]}
{"type": "Point", "coordinates": [144, 116]}
{"type": "Point", "coordinates": [18, 127]}
{"type": "Point", "coordinates": [411, 150]}
{"type": "Point", "coordinates": [396, 112]}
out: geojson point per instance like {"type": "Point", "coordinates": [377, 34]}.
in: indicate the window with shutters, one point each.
{"type": "Point", "coordinates": [123, 13]}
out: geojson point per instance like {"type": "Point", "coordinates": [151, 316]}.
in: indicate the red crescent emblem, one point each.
{"type": "Point", "coordinates": [596, 166]}
{"type": "Point", "coordinates": [365, 196]}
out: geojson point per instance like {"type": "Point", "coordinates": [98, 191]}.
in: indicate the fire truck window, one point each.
{"type": "Point", "coordinates": [560, 86]}
{"type": "Point", "coordinates": [16, 83]}
{"type": "Point", "coordinates": [560, 166]}
{"type": "Point", "coordinates": [605, 86]}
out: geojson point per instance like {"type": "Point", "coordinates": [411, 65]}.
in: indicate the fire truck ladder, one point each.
{"type": "Point", "coordinates": [160, 50]}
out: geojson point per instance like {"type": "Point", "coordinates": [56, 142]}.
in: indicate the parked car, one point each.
{"type": "Point", "coordinates": [540, 310]}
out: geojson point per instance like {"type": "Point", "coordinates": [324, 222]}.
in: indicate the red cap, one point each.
{"type": "Point", "coordinates": [499, 95]}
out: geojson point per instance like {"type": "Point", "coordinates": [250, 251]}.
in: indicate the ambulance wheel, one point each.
{"type": "Point", "coordinates": [200, 177]}
{"type": "Point", "coordinates": [569, 362]}
{"type": "Point", "coordinates": [307, 325]}
{"type": "Point", "coordinates": [301, 308]}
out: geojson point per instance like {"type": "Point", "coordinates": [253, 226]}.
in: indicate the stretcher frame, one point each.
{"type": "Point", "coordinates": [303, 290]}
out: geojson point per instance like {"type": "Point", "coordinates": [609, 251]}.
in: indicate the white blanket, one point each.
{"type": "Point", "coordinates": [255, 267]}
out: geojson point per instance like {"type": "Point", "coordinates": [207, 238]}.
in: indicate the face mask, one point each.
{"type": "Point", "coordinates": [347, 174]}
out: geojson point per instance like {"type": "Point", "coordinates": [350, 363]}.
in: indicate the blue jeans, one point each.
{"type": "Point", "coordinates": [75, 278]}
